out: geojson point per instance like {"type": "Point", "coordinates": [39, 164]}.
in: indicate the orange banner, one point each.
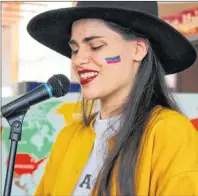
{"type": "Point", "coordinates": [186, 21]}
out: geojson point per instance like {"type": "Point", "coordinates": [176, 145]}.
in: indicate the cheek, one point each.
{"type": "Point", "coordinates": [119, 72]}
{"type": "Point", "coordinates": [107, 60]}
{"type": "Point", "coordinates": [113, 59]}
{"type": "Point", "coordinates": [110, 67]}
{"type": "Point", "coordinates": [74, 70]}
{"type": "Point", "coordinates": [98, 60]}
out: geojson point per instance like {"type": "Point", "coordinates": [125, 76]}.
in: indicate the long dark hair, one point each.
{"type": "Point", "coordinates": [149, 90]}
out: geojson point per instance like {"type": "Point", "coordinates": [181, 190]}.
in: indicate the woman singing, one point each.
{"type": "Point", "coordinates": [139, 143]}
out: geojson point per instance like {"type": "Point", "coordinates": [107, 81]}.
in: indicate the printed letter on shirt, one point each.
{"type": "Point", "coordinates": [86, 182]}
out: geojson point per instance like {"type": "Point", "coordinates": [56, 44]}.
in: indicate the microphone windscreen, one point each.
{"type": "Point", "coordinates": [60, 85]}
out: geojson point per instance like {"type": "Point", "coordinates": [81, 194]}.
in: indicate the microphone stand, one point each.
{"type": "Point", "coordinates": [15, 122]}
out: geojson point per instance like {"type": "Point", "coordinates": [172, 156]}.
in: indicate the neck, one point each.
{"type": "Point", "coordinates": [111, 106]}
{"type": "Point", "coordinates": [109, 110]}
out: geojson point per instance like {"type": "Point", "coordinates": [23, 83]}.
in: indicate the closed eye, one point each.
{"type": "Point", "coordinates": [96, 48]}
{"type": "Point", "coordinates": [92, 48]}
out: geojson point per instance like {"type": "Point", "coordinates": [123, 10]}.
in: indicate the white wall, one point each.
{"type": "Point", "coordinates": [37, 62]}
{"type": "Point", "coordinates": [6, 57]}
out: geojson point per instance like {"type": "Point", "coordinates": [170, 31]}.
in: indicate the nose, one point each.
{"type": "Point", "coordinates": [81, 58]}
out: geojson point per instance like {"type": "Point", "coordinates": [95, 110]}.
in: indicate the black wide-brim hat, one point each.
{"type": "Point", "coordinates": [53, 29]}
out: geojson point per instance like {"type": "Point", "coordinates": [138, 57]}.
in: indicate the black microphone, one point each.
{"type": "Point", "coordinates": [56, 86]}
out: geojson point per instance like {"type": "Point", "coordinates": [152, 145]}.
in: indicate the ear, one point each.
{"type": "Point", "coordinates": [141, 49]}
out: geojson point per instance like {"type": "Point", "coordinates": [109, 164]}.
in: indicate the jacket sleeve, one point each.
{"type": "Point", "coordinates": [175, 157]}
{"type": "Point", "coordinates": [54, 159]}
{"type": "Point", "coordinates": [183, 184]}
{"type": "Point", "coordinates": [40, 190]}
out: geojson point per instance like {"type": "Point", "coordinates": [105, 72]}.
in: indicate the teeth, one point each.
{"type": "Point", "coordinates": [88, 75]}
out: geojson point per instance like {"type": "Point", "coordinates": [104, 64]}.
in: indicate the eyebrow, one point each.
{"type": "Point", "coordinates": [85, 40]}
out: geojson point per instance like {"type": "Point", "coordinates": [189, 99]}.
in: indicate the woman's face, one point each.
{"type": "Point", "coordinates": [103, 61]}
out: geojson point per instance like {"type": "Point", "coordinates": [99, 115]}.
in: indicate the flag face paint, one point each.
{"type": "Point", "coordinates": [113, 59]}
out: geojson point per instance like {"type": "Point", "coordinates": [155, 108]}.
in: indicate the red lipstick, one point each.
{"type": "Point", "coordinates": [84, 81]}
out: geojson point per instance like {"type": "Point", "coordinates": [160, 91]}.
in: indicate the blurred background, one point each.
{"type": "Point", "coordinates": [27, 64]}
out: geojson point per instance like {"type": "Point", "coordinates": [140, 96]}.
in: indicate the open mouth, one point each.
{"type": "Point", "coordinates": [86, 77]}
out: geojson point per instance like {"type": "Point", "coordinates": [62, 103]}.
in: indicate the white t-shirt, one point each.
{"type": "Point", "coordinates": [98, 155]}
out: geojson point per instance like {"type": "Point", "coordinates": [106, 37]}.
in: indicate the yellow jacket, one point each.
{"type": "Point", "coordinates": [167, 163]}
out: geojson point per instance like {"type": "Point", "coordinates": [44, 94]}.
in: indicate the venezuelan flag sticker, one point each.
{"type": "Point", "coordinates": [114, 59]}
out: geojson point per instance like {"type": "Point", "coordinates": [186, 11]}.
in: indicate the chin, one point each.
{"type": "Point", "coordinates": [89, 97]}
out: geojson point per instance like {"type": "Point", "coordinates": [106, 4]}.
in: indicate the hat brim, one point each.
{"type": "Point", "coordinates": [53, 29]}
